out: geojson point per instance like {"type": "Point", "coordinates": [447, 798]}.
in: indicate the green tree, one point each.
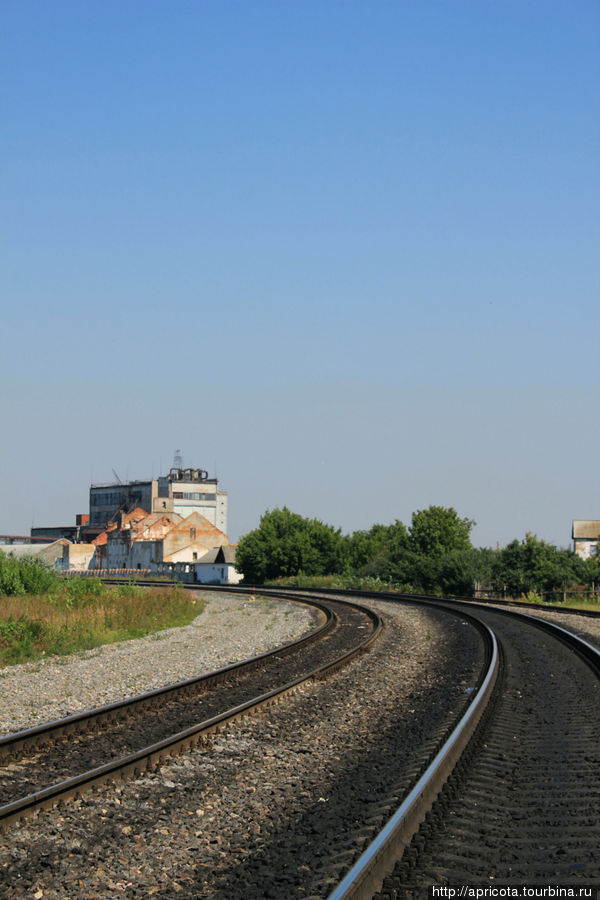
{"type": "Point", "coordinates": [434, 556]}
{"type": "Point", "coordinates": [535, 565]}
{"type": "Point", "coordinates": [460, 571]}
{"type": "Point", "coordinates": [439, 530]}
{"type": "Point", "coordinates": [286, 543]}
{"type": "Point", "coordinates": [364, 548]}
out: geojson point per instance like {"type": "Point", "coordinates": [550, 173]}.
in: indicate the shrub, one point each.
{"type": "Point", "coordinates": [28, 575]}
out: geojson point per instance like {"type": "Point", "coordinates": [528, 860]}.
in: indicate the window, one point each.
{"type": "Point", "coordinates": [193, 534]}
{"type": "Point", "coordinates": [195, 556]}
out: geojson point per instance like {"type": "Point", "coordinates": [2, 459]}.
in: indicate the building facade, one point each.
{"type": "Point", "coordinates": [191, 490]}
{"type": "Point", "coordinates": [106, 500]}
{"type": "Point", "coordinates": [215, 567]}
{"type": "Point", "coordinates": [159, 543]}
{"type": "Point", "coordinates": [586, 534]}
{"type": "Point", "coordinates": [182, 491]}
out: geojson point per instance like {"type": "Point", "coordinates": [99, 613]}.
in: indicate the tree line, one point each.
{"type": "Point", "coordinates": [434, 554]}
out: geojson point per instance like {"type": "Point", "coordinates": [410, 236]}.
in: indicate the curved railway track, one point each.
{"type": "Point", "coordinates": [510, 796]}
{"type": "Point", "coordinates": [398, 760]}
{"type": "Point", "coordinates": [522, 806]}
{"type": "Point", "coordinates": [519, 791]}
{"type": "Point", "coordinates": [45, 765]}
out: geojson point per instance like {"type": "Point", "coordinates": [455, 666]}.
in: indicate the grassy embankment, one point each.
{"type": "Point", "coordinates": [82, 613]}
{"type": "Point", "coordinates": [585, 600]}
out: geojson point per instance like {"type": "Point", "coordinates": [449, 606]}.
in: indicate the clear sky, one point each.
{"type": "Point", "coordinates": [345, 254]}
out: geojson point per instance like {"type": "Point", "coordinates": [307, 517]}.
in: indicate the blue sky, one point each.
{"type": "Point", "coordinates": [344, 252]}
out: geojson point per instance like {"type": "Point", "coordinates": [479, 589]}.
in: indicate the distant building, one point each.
{"type": "Point", "coordinates": [159, 543]}
{"type": "Point", "coordinates": [51, 553]}
{"type": "Point", "coordinates": [215, 567]}
{"type": "Point", "coordinates": [72, 533]}
{"type": "Point", "coordinates": [586, 534]}
{"type": "Point", "coordinates": [78, 557]}
{"type": "Point", "coordinates": [106, 500]}
{"type": "Point", "coordinates": [182, 491]}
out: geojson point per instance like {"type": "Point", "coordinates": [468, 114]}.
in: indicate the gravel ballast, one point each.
{"type": "Point", "coordinates": [587, 627]}
{"type": "Point", "coordinates": [230, 629]}
{"type": "Point", "coordinates": [263, 811]}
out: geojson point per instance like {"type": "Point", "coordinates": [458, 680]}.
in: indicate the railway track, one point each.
{"type": "Point", "coordinates": [522, 806]}
{"type": "Point", "coordinates": [311, 849]}
{"type": "Point", "coordinates": [517, 794]}
{"type": "Point", "coordinates": [45, 765]}
{"type": "Point", "coordinates": [519, 803]}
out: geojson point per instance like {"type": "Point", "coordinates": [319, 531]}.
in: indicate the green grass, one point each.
{"type": "Point", "coordinates": [83, 613]}
{"type": "Point", "coordinates": [593, 605]}
{"type": "Point", "coordinates": [587, 602]}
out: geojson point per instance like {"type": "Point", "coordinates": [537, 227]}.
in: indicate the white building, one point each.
{"type": "Point", "coordinates": [191, 490]}
{"type": "Point", "coordinates": [215, 567]}
{"type": "Point", "coordinates": [586, 534]}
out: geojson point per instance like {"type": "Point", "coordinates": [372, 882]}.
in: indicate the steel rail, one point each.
{"type": "Point", "coordinates": [153, 755]}
{"type": "Point", "coordinates": [11, 743]}
{"type": "Point", "coordinates": [366, 875]}
{"type": "Point", "coordinates": [575, 642]}
{"type": "Point", "coordinates": [492, 603]}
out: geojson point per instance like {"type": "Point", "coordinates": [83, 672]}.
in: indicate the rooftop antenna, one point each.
{"type": "Point", "coordinates": [117, 477]}
{"type": "Point", "coordinates": [178, 460]}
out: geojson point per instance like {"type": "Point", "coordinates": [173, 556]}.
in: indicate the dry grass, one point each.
{"type": "Point", "coordinates": [84, 613]}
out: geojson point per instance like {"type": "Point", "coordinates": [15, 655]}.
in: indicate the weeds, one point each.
{"type": "Point", "coordinates": [532, 597]}
{"type": "Point", "coordinates": [80, 614]}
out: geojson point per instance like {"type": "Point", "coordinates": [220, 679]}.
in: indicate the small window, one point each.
{"type": "Point", "coordinates": [195, 556]}
{"type": "Point", "coordinates": [193, 534]}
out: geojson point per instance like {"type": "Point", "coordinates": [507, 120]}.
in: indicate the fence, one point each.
{"type": "Point", "coordinates": [580, 594]}
{"type": "Point", "coordinates": [102, 573]}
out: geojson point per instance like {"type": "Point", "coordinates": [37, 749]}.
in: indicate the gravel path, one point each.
{"type": "Point", "coordinates": [242, 819]}
{"type": "Point", "coordinates": [229, 629]}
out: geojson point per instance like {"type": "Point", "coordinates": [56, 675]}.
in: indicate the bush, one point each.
{"type": "Point", "coordinates": [28, 575]}
{"type": "Point", "coordinates": [533, 597]}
